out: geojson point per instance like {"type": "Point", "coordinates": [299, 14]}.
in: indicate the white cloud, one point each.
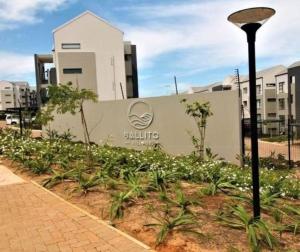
{"type": "Point", "coordinates": [15, 12]}
{"type": "Point", "coordinates": [15, 66]}
{"type": "Point", "coordinates": [200, 32]}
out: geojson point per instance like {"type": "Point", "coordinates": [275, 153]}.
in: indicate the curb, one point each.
{"type": "Point", "coordinates": [94, 218]}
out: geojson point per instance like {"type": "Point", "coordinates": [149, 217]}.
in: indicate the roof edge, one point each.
{"type": "Point", "coordinates": [81, 15]}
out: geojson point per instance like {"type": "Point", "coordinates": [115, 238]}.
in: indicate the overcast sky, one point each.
{"type": "Point", "coordinates": [190, 39]}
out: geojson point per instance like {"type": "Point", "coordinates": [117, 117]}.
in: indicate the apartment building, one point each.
{"type": "Point", "coordinates": [90, 53]}
{"type": "Point", "coordinates": [273, 103]}
{"type": "Point", "coordinates": [16, 94]}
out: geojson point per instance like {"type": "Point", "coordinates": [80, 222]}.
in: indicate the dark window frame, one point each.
{"type": "Point", "coordinates": [270, 84]}
{"type": "Point", "coordinates": [272, 115]}
{"type": "Point", "coordinates": [281, 87]}
{"type": "Point", "coordinates": [72, 71]}
{"type": "Point", "coordinates": [281, 103]}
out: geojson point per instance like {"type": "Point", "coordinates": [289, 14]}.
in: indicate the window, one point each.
{"type": "Point", "coordinates": [292, 79]}
{"type": "Point", "coordinates": [291, 98]}
{"type": "Point", "coordinates": [271, 99]}
{"type": "Point", "coordinates": [271, 114]}
{"type": "Point", "coordinates": [8, 95]}
{"type": "Point", "coordinates": [271, 85]}
{"type": "Point", "coordinates": [72, 70]}
{"type": "Point", "coordinates": [282, 118]}
{"type": "Point", "coordinates": [259, 117]}
{"type": "Point", "coordinates": [258, 89]}
{"type": "Point", "coordinates": [245, 90]}
{"type": "Point", "coordinates": [281, 104]}
{"type": "Point", "coordinates": [280, 87]}
{"type": "Point", "coordinates": [258, 104]}
{"type": "Point", "coordinates": [127, 57]}
{"type": "Point", "coordinates": [70, 46]}
{"type": "Point", "coordinates": [22, 89]}
{"type": "Point", "coordinates": [7, 88]}
{"type": "Point", "coordinates": [8, 102]}
{"type": "Point", "coordinates": [245, 103]}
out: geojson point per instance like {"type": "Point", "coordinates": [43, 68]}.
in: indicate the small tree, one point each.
{"type": "Point", "coordinates": [200, 112]}
{"type": "Point", "coordinates": [64, 98]}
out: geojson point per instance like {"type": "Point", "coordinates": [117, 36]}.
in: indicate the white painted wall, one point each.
{"type": "Point", "coordinates": [282, 78]}
{"type": "Point", "coordinates": [96, 35]}
{"type": "Point", "coordinates": [13, 92]}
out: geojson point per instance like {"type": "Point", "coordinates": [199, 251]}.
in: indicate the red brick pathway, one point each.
{"type": "Point", "coordinates": [33, 219]}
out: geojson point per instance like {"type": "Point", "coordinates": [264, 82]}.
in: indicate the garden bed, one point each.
{"type": "Point", "coordinates": [164, 187]}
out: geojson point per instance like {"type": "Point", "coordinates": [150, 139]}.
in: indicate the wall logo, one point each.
{"type": "Point", "coordinates": [140, 115]}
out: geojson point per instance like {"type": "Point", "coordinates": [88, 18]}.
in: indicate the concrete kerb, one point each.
{"type": "Point", "coordinates": [94, 218]}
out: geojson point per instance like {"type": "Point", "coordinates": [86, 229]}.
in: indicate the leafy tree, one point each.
{"type": "Point", "coordinates": [200, 112]}
{"type": "Point", "coordinates": [65, 98]}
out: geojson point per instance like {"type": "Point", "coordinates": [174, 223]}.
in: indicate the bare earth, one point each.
{"type": "Point", "coordinates": [265, 148]}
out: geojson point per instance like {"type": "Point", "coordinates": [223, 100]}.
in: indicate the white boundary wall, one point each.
{"type": "Point", "coordinates": [165, 120]}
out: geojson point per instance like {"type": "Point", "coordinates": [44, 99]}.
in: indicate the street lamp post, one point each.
{"type": "Point", "coordinates": [250, 20]}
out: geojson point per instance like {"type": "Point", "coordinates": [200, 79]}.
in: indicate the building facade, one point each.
{"type": "Point", "coordinates": [272, 89]}
{"type": "Point", "coordinates": [15, 95]}
{"type": "Point", "coordinates": [90, 53]}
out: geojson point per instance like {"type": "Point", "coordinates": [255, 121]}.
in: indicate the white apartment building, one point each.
{"type": "Point", "coordinates": [91, 53]}
{"type": "Point", "coordinates": [14, 94]}
{"type": "Point", "coordinates": [272, 95]}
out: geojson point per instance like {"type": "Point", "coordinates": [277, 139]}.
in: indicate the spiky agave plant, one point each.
{"type": "Point", "coordinates": [105, 180]}
{"type": "Point", "coordinates": [267, 199]}
{"type": "Point", "coordinates": [257, 230]}
{"type": "Point", "coordinates": [118, 205]}
{"type": "Point", "coordinates": [136, 187]}
{"type": "Point", "coordinates": [180, 200]}
{"type": "Point", "coordinates": [38, 165]}
{"type": "Point", "coordinates": [216, 185]}
{"type": "Point", "coordinates": [130, 171]}
{"type": "Point", "coordinates": [159, 179]}
{"type": "Point", "coordinates": [86, 183]}
{"type": "Point", "coordinates": [58, 177]}
{"type": "Point", "coordinates": [292, 213]}
{"type": "Point", "coordinates": [182, 222]}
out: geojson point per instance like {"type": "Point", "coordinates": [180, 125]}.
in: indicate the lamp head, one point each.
{"type": "Point", "coordinates": [257, 15]}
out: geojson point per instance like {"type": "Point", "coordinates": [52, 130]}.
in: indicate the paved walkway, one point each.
{"type": "Point", "coordinates": [33, 219]}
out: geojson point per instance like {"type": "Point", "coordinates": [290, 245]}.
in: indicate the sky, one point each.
{"type": "Point", "coordinates": [190, 39]}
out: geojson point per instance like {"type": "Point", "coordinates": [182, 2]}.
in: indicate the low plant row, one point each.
{"type": "Point", "coordinates": [132, 176]}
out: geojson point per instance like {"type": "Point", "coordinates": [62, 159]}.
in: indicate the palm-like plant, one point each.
{"type": "Point", "coordinates": [257, 230]}
{"type": "Point", "coordinates": [183, 222]}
